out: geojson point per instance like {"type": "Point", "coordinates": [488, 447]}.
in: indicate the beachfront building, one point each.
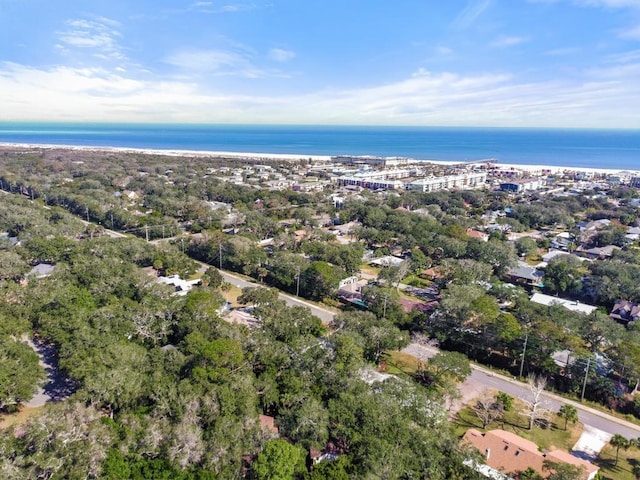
{"type": "Point", "coordinates": [371, 184]}
{"type": "Point", "coordinates": [449, 182]}
{"type": "Point", "coordinates": [376, 179]}
{"type": "Point", "coordinates": [370, 160]}
{"type": "Point", "coordinates": [522, 185]}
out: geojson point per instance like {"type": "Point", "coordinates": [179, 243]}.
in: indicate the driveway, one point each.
{"type": "Point", "coordinates": [57, 386]}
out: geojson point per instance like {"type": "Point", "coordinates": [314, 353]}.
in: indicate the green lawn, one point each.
{"type": "Point", "coordinates": [369, 269]}
{"type": "Point", "coordinates": [624, 469]}
{"type": "Point", "coordinates": [231, 295]}
{"type": "Point", "coordinates": [549, 438]}
{"type": "Point", "coordinates": [398, 362]}
{"type": "Point", "coordinates": [416, 281]}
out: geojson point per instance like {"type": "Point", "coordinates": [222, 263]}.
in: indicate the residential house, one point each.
{"type": "Point", "coordinates": [432, 274]}
{"type": "Point", "coordinates": [633, 234]}
{"type": "Point", "coordinates": [471, 233]}
{"type": "Point", "coordinates": [552, 254]}
{"type": "Point", "coordinates": [524, 274]}
{"type": "Point", "coordinates": [409, 305]}
{"type": "Point", "coordinates": [600, 252]}
{"type": "Point", "coordinates": [42, 270]}
{"type": "Point", "coordinates": [593, 225]}
{"type": "Point", "coordinates": [547, 257]}
{"type": "Point", "coordinates": [625, 311]}
{"type": "Point", "coordinates": [268, 424]}
{"type": "Point", "coordinates": [387, 261]}
{"type": "Point", "coordinates": [350, 290]}
{"type": "Point", "coordinates": [507, 452]}
{"type": "Point", "coordinates": [315, 456]}
{"type": "Point", "coordinates": [573, 305]}
{"type": "Point", "coordinates": [182, 287]}
{"type": "Point", "coordinates": [563, 241]}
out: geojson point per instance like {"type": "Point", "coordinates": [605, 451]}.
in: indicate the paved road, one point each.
{"type": "Point", "coordinates": [324, 314]}
{"type": "Point", "coordinates": [481, 378]}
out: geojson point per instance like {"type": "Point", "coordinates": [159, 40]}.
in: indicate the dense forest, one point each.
{"type": "Point", "coordinates": [161, 386]}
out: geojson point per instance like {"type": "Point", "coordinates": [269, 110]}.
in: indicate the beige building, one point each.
{"type": "Point", "coordinates": [449, 182]}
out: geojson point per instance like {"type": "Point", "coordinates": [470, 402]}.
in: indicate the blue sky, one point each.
{"type": "Point", "coordinates": [539, 63]}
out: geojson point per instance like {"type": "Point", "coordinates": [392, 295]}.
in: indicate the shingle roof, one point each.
{"type": "Point", "coordinates": [511, 453]}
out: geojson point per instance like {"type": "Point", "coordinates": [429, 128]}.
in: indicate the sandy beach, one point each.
{"type": "Point", "coordinates": [554, 169]}
{"type": "Point", "coordinates": [173, 153]}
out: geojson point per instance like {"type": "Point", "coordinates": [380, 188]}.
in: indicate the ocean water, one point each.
{"type": "Point", "coordinates": [615, 149]}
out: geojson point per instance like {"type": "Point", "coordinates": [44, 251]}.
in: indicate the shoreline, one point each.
{"type": "Point", "coordinates": [553, 169]}
{"type": "Point", "coordinates": [170, 152]}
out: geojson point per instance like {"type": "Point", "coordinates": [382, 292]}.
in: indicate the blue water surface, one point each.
{"type": "Point", "coordinates": [616, 149]}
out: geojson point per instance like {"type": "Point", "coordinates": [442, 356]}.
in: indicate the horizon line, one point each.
{"type": "Point", "coordinates": [310, 125]}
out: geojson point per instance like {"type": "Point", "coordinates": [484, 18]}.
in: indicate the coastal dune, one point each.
{"type": "Point", "coordinates": [264, 156]}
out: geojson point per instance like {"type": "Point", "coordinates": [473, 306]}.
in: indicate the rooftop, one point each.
{"type": "Point", "coordinates": [511, 453]}
{"type": "Point", "coordinates": [572, 305]}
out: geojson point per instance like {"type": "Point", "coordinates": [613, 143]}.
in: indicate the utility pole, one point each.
{"type": "Point", "coordinates": [524, 352]}
{"type": "Point", "coordinates": [586, 374]}
{"type": "Point", "coordinates": [220, 254]}
{"type": "Point", "coordinates": [146, 232]}
{"type": "Point", "coordinates": [298, 281]}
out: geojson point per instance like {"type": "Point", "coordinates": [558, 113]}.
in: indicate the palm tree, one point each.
{"type": "Point", "coordinates": [619, 442]}
{"type": "Point", "coordinates": [569, 413]}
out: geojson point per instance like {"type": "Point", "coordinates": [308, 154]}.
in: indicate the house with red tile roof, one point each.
{"type": "Point", "coordinates": [268, 424]}
{"type": "Point", "coordinates": [509, 453]}
{"type": "Point", "coordinates": [477, 234]}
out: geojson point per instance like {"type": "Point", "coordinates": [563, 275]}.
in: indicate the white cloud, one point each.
{"type": "Point", "coordinates": [509, 41]}
{"type": "Point", "coordinates": [215, 62]}
{"type": "Point", "coordinates": [624, 57]}
{"type": "Point", "coordinates": [561, 52]}
{"type": "Point", "coordinates": [281, 55]}
{"type": "Point", "coordinates": [239, 62]}
{"type": "Point", "coordinates": [610, 3]}
{"type": "Point", "coordinates": [210, 7]}
{"type": "Point", "coordinates": [632, 33]}
{"type": "Point", "coordinates": [471, 13]}
{"type": "Point", "coordinates": [442, 50]}
{"type": "Point", "coordinates": [99, 34]}
{"type": "Point", "coordinates": [607, 97]}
